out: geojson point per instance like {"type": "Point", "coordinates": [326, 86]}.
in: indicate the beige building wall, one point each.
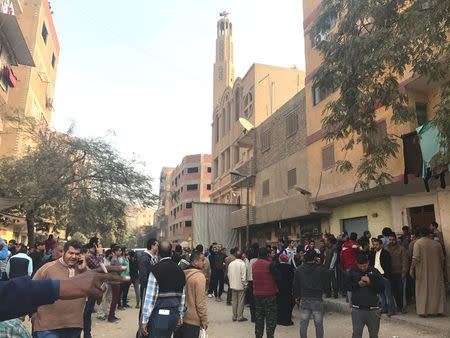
{"type": "Point", "coordinates": [336, 190]}
{"type": "Point", "coordinates": [33, 96]}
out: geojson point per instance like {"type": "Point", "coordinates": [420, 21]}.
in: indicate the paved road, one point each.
{"type": "Point", "coordinates": [221, 326]}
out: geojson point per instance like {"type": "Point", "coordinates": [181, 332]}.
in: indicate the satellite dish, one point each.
{"type": "Point", "coordinates": [246, 124]}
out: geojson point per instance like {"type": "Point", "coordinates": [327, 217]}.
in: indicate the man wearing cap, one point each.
{"type": "Point", "coordinates": [308, 292]}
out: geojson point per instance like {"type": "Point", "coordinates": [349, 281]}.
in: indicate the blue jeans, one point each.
{"type": "Point", "coordinates": [387, 301]}
{"type": "Point", "coordinates": [310, 306]}
{"type": "Point", "coordinates": [87, 318]}
{"type": "Point", "coordinates": [74, 332]}
{"type": "Point", "coordinates": [162, 326]}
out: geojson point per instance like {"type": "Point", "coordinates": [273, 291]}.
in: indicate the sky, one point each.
{"type": "Point", "coordinates": [140, 72]}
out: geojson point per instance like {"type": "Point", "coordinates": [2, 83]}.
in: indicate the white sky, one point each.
{"type": "Point", "coordinates": [144, 68]}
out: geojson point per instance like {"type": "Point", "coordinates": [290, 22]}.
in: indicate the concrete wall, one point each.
{"type": "Point", "coordinates": [378, 212]}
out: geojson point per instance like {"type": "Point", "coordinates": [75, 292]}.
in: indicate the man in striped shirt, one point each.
{"type": "Point", "coordinates": [163, 306]}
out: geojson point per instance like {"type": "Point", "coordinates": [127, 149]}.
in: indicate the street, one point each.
{"type": "Point", "coordinates": [221, 326]}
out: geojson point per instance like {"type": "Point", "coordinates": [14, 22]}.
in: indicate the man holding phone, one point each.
{"type": "Point", "coordinates": [64, 318]}
{"type": "Point", "coordinates": [365, 283]}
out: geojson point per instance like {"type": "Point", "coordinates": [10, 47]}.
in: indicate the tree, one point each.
{"type": "Point", "coordinates": [374, 45]}
{"type": "Point", "coordinates": [63, 171]}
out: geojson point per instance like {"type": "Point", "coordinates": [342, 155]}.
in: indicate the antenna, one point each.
{"type": "Point", "coordinates": [224, 14]}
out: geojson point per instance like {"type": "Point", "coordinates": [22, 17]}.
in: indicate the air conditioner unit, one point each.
{"type": "Point", "coordinates": [321, 37]}
{"type": "Point", "coordinates": [49, 103]}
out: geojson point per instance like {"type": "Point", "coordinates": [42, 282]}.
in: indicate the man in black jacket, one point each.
{"type": "Point", "coordinates": [365, 283]}
{"type": "Point", "coordinates": [308, 291]}
{"type": "Point", "coordinates": [380, 259]}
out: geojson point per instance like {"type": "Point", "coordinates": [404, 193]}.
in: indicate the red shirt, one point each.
{"type": "Point", "coordinates": [348, 255]}
{"type": "Point", "coordinates": [48, 244]}
{"type": "Point", "coordinates": [263, 282]}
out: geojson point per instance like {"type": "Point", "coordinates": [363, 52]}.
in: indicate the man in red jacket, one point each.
{"type": "Point", "coordinates": [265, 290]}
{"type": "Point", "coordinates": [349, 252]}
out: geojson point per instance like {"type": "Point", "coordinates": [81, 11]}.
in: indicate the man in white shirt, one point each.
{"type": "Point", "coordinates": [380, 259]}
{"type": "Point", "coordinates": [237, 276]}
{"type": "Point", "coordinates": [291, 251]}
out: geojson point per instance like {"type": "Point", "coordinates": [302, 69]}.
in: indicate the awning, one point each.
{"type": "Point", "coordinates": [11, 77]}
{"type": "Point", "coordinates": [10, 29]}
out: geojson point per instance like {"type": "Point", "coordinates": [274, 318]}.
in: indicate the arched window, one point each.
{"type": "Point", "coordinates": [237, 102]}
{"type": "Point", "coordinates": [248, 104]}
{"type": "Point", "coordinates": [216, 123]}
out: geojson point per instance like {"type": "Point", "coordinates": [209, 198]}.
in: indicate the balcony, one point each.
{"type": "Point", "coordinates": [11, 32]}
{"type": "Point", "coordinates": [239, 217]}
{"type": "Point", "coordinates": [248, 169]}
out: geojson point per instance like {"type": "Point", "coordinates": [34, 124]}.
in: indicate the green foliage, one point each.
{"type": "Point", "coordinates": [365, 56]}
{"type": "Point", "coordinates": [81, 183]}
{"type": "Point", "coordinates": [78, 236]}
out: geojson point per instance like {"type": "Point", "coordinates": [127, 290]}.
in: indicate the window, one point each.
{"type": "Point", "coordinates": [328, 157]}
{"type": "Point", "coordinates": [265, 188]}
{"type": "Point", "coordinates": [291, 124]}
{"type": "Point", "coordinates": [237, 103]}
{"type": "Point", "coordinates": [44, 32]}
{"type": "Point", "coordinates": [421, 113]}
{"type": "Point", "coordinates": [265, 140]}
{"type": "Point", "coordinates": [320, 94]}
{"type": "Point", "coordinates": [189, 205]}
{"type": "Point", "coordinates": [188, 224]}
{"type": "Point", "coordinates": [209, 169]}
{"type": "Point", "coordinates": [227, 159]}
{"type": "Point", "coordinates": [223, 122]}
{"type": "Point", "coordinates": [377, 136]}
{"type": "Point", "coordinates": [236, 155]}
{"type": "Point", "coordinates": [248, 104]}
{"type": "Point", "coordinates": [191, 187]}
{"type": "Point", "coordinates": [216, 168]}
{"type": "Point", "coordinates": [229, 116]}
{"type": "Point", "coordinates": [216, 123]}
{"type": "Point", "coordinates": [222, 163]}
{"type": "Point", "coordinates": [292, 178]}
{"type": "Point", "coordinates": [53, 60]}
{"type": "Point", "coordinates": [192, 170]}
{"type": "Point", "coordinates": [208, 187]}
{"type": "Point", "coordinates": [324, 35]}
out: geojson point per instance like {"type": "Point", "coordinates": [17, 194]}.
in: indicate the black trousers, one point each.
{"type": "Point", "coordinates": [285, 305]}
{"type": "Point", "coordinates": [251, 300]}
{"type": "Point", "coordinates": [187, 331]}
{"type": "Point", "coordinates": [217, 278]}
{"type": "Point", "coordinates": [330, 284]}
{"type": "Point", "coordinates": [397, 285]}
{"type": "Point", "coordinates": [124, 288]}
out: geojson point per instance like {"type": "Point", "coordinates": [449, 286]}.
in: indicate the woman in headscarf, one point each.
{"type": "Point", "coordinates": [285, 300]}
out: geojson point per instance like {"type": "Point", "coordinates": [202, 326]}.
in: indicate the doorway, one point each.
{"type": "Point", "coordinates": [421, 217]}
{"type": "Point", "coordinates": [356, 224]}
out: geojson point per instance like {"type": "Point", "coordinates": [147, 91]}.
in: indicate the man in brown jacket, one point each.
{"type": "Point", "coordinates": [195, 316]}
{"type": "Point", "coordinates": [399, 268]}
{"type": "Point", "coordinates": [64, 318]}
{"type": "Point", "coordinates": [206, 268]}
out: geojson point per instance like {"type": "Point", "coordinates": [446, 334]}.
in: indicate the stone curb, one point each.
{"type": "Point", "coordinates": [343, 308]}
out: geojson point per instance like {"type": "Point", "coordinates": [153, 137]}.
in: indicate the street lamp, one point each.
{"type": "Point", "coordinates": [302, 191]}
{"type": "Point", "coordinates": [237, 173]}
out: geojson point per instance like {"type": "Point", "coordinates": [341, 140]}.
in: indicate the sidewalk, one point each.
{"type": "Point", "coordinates": [440, 324]}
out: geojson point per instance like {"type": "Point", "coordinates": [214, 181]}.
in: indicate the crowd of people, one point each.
{"type": "Point", "coordinates": [374, 274]}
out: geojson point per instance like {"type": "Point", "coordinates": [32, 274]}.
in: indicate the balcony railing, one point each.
{"type": "Point", "coordinates": [239, 217]}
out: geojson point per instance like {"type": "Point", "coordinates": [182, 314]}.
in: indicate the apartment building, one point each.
{"type": "Point", "coordinates": [395, 204]}
{"type": "Point", "coordinates": [33, 95]}
{"type": "Point", "coordinates": [254, 97]}
{"type": "Point", "coordinates": [190, 182]}
{"type": "Point", "coordinates": [278, 173]}
{"type": "Point", "coordinates": [163, 210]}
{"type": "Point", "coordinates": [14, 51]}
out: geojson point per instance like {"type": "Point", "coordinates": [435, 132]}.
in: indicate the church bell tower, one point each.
{"type": "Point", "coordinates": [224, 66]}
